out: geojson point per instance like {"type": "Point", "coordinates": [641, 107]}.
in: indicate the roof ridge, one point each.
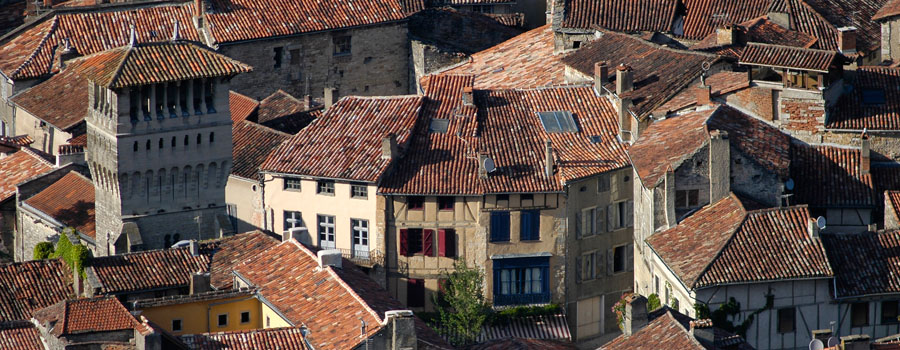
{"type": "Point", "coordinates": [264, 128]}
{"type": "Point", "coordinates": [34, 154]}
{"type": "Point", "coordinates": [766, 210]}
{"type": "Point", "coordinates": [655, 45]}
{"type": "Point", "coordinates": [734, 232]}
{"type": "Point", "coordinates": [53, 27]}
{"type": "Point", "coordinates": [753, 43]}
{"type": "Point", "coordinates": [118, 70]}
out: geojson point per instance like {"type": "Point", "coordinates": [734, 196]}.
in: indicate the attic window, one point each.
{"type": "Point", "coordinates": [439, 126]}
{"type": "Point", "coordinates": [873, 96]}
{"type": "Point", "coordinates": [557, 121]}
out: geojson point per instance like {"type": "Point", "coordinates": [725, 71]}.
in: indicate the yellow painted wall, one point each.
{"type": "Point", "coordinates": [194, 315]}
{"type": "Point", "coordinates": [270, 319]}
{"type": "Point", "coordinates": [46, 139]}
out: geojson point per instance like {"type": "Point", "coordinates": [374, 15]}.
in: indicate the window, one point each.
{"type": "Point", "coordinates": [360, 237]}
{"type": "Point", "coordinates": [557, 121]}
{"type": "Point", "coordinates": [147, 145]}
{"type": "Point", "coordinates": [576, 44]}
{"type": "Point", "coordinates": [588, 266]}
{"type": "Point", "coordinates": [446, 203]}
{"type": "Point", "coordinates": [786, 320]}
{"type": "Point", "coordinates": [415, 203]}
{"type": "Point", "coordinates": [859, 314]}
{"type": "Point", "coordinates": [415, 293]}
{"type": "Point", "coordinates": [889, 312]}
{"type": "Point", "coordinates": [521, 281]}
{"type": "Point", "coordinates": [502, 197]}
{"type": "Point", "coordinates": [160, 143]}
{"type": "Point", "coordinates": [530, 225]}
{"type": "Point", "coordinates": [174, 143]}
{"type": "Point", "coordinates": [416, 241]}
{"type": "Point", "coordinates": [292, 219]}
{"type": "Point", "coordinates": [326, 231]}
{"type": "Point", "coordinates": [526, 197]}
{"type": "Point", "coordinates": [603, 183]}
{"type": "Point", "coordinates": [292, 184]}
{"type": "Point", "coordinates": [199, 139]}
{"type": "Point", "coordinates": [359, 191]}
{"type": "Point", "coordinates": [268, 321]}
{"type": "Point", "coordinates": [588, 221]}
{"type": "Point", "coordinates": [439, 126]}
{"type": "Point", "coordinates": [687, 198]}
{"type": "Point", "coordinates": [231, 211]}
{"type": "Point", "coordinates": [325, 187]}
{"type": "Point", "coordinates": [186, 140]}
{"type": "Point", "coordinates": [245, 317]}
{"type": "Point", "coordinates": [619, 259]}
{"type": "Point", "coordinates": [222, 320]}
{"type": "Point", "coordinates": [341, 45]}
{"type": "Point", "coordinates": [500, 226]}
{"type": "Point", "coordinates": [656, 285]}
{"type": "Point", "coordinates": [135, 146]}
{"type": "Point", "coordinates": [447, 243]}
{"type": "Point", "coordinates": [176, 325]}
{"type": "Point", "coordinates": [278, 52]}
{"type": "Point", "coordinates": [295, 56]}
{"type": "Point", "coordinates": [212, 137]}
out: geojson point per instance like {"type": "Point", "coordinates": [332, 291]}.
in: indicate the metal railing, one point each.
{"type": "Point", "coordinates": [367, 258]}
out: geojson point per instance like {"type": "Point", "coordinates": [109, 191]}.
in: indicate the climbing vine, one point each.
{"type": "Point", "coordinates": [730, 309]}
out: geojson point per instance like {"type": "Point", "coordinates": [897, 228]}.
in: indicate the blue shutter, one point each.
{"type": "Point", "coordinates": [500, 226]}
{"type": "Point", "coordinates": [525, 226]}
{"type": "Point", "coordinates": [535, 225]}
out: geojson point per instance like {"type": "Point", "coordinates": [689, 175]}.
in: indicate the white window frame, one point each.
{"type": "Point", "coordinates": [326, 227]}
{"type": "Point", "coordinates": [360, 191]}
{"type": "Point", "coordinates": [295, 215]}
{"type": "Point", "coordinates": [293, 184]}
{"type": "Point", "coordinates": [360, 227]}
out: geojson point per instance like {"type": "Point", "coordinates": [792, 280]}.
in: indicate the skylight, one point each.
{"type": "Point", "coordinates": [439, 126]}
{"type": "Point", "coordinates": [558, 121]}
{"type": "Point", "coordinates": [873, 96]}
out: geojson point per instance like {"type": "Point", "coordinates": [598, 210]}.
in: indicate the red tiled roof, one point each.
{"type": "Point", "coordinates": [252, 144]}
{"type": "Point", "coordinates": [80, 140]}
{"type": "Point", "coordinates": [345, 142]}
{"type": "Point", "coordinates": [704, 16]}
{"type": "Point", "coordinates": [28, 286]}
{"type": "Point", "coordinates": [659, 72]}
{"type": "Point", "coordinates": [241, 106]}
{"type": "Point", "coordinates": [893, 203]}
{"type": "Point", "coordinates": [525, 61]}
{"type": "Point", "coordinates": [17, 168]}
{"type": "Point", "coordinates": [100, 314]}
{"type": "Point", "coordinates": [227, 252]}
{"type": "Point", "coordinates": [20, 335]}
{"type": "Point", "coordinates": [29, 51]}
{"type": "Point", "coordinates": [842, 13]}
{"type": "Point", "coordinates": [285, 113]}
{"type": "Point", "coordinates": [69, 200]}
{"type": "Point", "coordinates": [891, 8]}
{"type": "Point", "coordinates": [270, 338]}
{"type": "Point", "coordinates": [756, 54]}
{"type": "Point", "coordinates": [828, 176]}
{"type": "Point", "coordinates": [524, 344]}
{"type": "Point", "coordinates": [865, 263]}
{"type": "Point", "coordinates": [154, 63]}
{"type": "Point", "coordinates": [758, 30]}
{"type": "Point", "coordinates": [854, 112]}
{"type": "Point", "coordinates": [237, 20]}
{"type": "Point", "coordinates": [19, 141]}
{"type": "Point", "coordinates": [149, 270]}
{"type": "Point", "coordinates": [663, 332]}
{"type": "Point", "coordinates": [720, 83]}
{"type": "Point", "coordinates": [621, 15]}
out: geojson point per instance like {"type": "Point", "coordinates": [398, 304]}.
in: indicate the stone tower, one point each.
{"type": "Point", "coordinates": [159, 144]}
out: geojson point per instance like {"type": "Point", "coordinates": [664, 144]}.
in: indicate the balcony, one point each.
{"type": "Point", "coordinates": [363, 258]}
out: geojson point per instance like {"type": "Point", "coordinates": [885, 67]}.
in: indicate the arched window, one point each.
{"type": "Point", "coordinates": [148, 145]}
{"type": "Point", "coordinates": [212, 137]}
{"type": "Point", "coordinates": [173, 142]}
{"type": "Point", "coordinates": [199, 139]}
{"type": "Point", "coordinates": [135, 146]}
{"type": "Point", "coordinates": [160, 143]}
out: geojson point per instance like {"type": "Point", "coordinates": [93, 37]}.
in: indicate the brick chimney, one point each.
{"type": "Point", "coordinates": [719, 165]}
{"type": "Point", "coordinates": [601, 74]}
{"type": "Point", "coordinates": [624, 79]}
{"type": "Point", "coordinates": [389, 147]}
{"type": "Point", "coordinates": [329, 97]}
{"type": "Point", "coordinates": [66, 53]}
{"type": "Point", "coordinates": [847, 39]}
{"type": "Point", "coordinates": [865, 156]}
{"type": "Point", "coordinates": [702, 330]}
{"type": "Point", "coordinates": [468, 96]}
{"type": "Point", "coordinates": [812, 227]}
{"type": "Point", "coordinates": [725, 35]}
{"type": "Point", "coordinates": [548, 160]}
{"type": "Point", "coordinates": [635, 316]}
{"type": "Point", "coordinates": [194, 248]}
{"type": "Point", "coordinates": [704, 95]}
{"type": "Point", "coordinates": [199, 282]}
{"type": "Point", "coordinates": [199, 12]}
{"type": "Point", "coordinates": [625, 119]}
{"type": "Point", "coordinates": [330, 257]}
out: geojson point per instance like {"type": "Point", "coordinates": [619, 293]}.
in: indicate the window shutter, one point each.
{"type": "Point", "coordinates": [442, 242]}
{"type": "Point", "coordinates": [586, 222]}
{"type": "Point", "coordinates": [578, 269]}
{"type": "Point", "coordinates": [578, 225]}
{"type": "Point", "coordinates": [525, 225]}
{"type": "Point", "coordinates": [598, 263]}
{"type": "Point", "coordinates": [609, 262]}
{"type": "Point", "coordinates": [428, 242]}
{"type": "Point", "coordinates": [601, 220]}
{"type": "Point", "coordinates": [500, 226]}
{"type": "Point", "coordinates": [610, 217]}
{"type": "Point", "coordinates": [629, 257]}
{"type": "Point", "coordinates": [629, 213]}
{"type": "Point", "coordinates": [404, 239]}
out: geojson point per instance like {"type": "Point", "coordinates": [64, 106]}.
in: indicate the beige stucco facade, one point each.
{"type": "Point", "coordinates": [47, 138]}
{"type": "Point", "coordinates": [243, 203]}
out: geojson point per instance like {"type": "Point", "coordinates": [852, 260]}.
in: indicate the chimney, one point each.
{"type": "Point", "coordinates": [601, 76]}
{"type": "Point", "coordinates": [483, 172]}
{"type": "Point", "coordinates": [725, 35]}
{"type": "Point", "coordinates": [704, 95]}
{"type": "Point", "coordinates": [330, 95]}
{"type": "Point", "coordinates": [199, 282]}
{"type": "Point", "coordinates": [389, 147]}
{"type": "Point", "coordinates": [195, 248]}
{"type": "Point", "coordinates": [307, 99]}
{"type": "Point", "coordinates": [199, 11]}
{"type": "Point", "coordinates": [865, 157]}
{"type": "Point", "coordinates": [403, 329]}
{"type": "Point", "coordinates": [624, 79]}
{"type": "Point", "coordinates": [548, 160]}
{"type": "Point", "coordinates": [780, 18]}
{"type": "Point", "coordinates": [330, 257]}
{"type": "Point", "coordinates": [719, 165]}
{"type": "Point", "coordinates": [66, 53]}
{"type": "Point", "coordinates": [702, 330]}
{"type": "Point", "coordinates": [468, 96]}
{"type": "Point", "coordinates": [813, 228]}
{"type": "Point", "coordinates": [635, 316]}
{"type": "Point", "coordinates": [847, 39]}
{"type": "Point", "coordinates": [625, 119]}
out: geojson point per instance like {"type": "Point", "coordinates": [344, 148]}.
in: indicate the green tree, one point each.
{"type": "Point", "coordinates": [43, 250]}
{"type": "Point", "coordinates": [653, 302]}
{"type": "Point", "coordinates": [460, 304]}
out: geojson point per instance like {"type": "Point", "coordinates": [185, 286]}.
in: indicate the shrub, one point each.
{"type": "Point", "coordinates": [75, 255]}
{"type": "Point", "coordinates": [653, 302]}
{"type": "Point", "coordinates": [43, 250]}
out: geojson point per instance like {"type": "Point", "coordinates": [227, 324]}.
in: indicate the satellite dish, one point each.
{"type": "Point", "coordinates": [820, 222]}
{"type": "Point", "coordinates": [816, 344]}
{"type": "Point", "coordinates": [789, 184]}
{"type": "Point", "coordinates": [488, 165]}
{"type": "Point", "coordinates": [833, 341]}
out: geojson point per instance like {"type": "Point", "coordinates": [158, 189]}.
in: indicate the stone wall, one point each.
{"type": "Point", "coordinates": [802, 116]}
{"type": "Point", "coordinates": [758, 101]}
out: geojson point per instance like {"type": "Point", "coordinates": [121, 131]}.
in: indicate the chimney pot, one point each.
{"type": "Point", "coordinates": [635, 315]}
{"type": "Point", "coordinates": [624, 79]}
{"type": "Point", "coordinates": [330, 257]}
{"type": "Point", "coordinates": [601, 74]}
{"type": "Point", "coordinates": [330, 95]}
{"type": "Point", "coordinates": [548, 160]}
{"type": "Point", "coordinates": [194, 248]}
{"type": "Point", "coordinates": [704, 95]}
{"type": "Point", "coordinates": [847, 39]}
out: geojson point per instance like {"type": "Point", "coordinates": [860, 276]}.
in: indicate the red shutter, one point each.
{"type": "Point", "coordinates": [428, 242]}
{"type": "Point", "coordinates": [404, 238]}
{"type": "Point", "coordinates": [442, 242]}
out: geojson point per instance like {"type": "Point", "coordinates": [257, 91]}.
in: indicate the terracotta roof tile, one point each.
{"type": "Point", "coordinates": [756, 54]}
{"type": "Point", "coordinates": [80, 140]}
{"type": "Point", "coordinates": [17, 168]}
{"type": "Point", "coordinates": [227, 252]}
{"type": "Point", "coordinates": [621, 15]}
{"type": "Point", "coordinates": [285, 113]}
{"type": "Point", "coordinates": [865, 263]}
{"type": "Point", "coordinates": [720, 83]}
{"type": "Point", "coordinates": [524, 344]}
{"type": "Point", "coordinates": [20, 335]}
{"type": "Point", "coordinates": [814, 168]}
{"type": "Point", "coordinates": [252, 144]}
{"type": "Point", "coordinates": [242, 107]}
{"type": "Point", "coordinates": [69, 200]}
{"type": "Point", "coordinates": [270, 338]}
{"type": "Point", "coordinates": [889, 9]}
{"type": "Point", "coordinates": [842, 13]}
{"type": "Point", "coordinates": [525, 61]}
{"type": "Point", "coordinates": [758, 30]}
{"type": "Point", "coordinates": [345, 142]}
{"type": "Point", "coordinates": [855, 110]}
{"type": "Point", "coordinates": [893, 202]}
{"type": "Point", "coordinates": [149, 270]}
{"type": "Point", "coordinates": [659, 72]}
{"type": "Point", "coordinates": [704, 16]}
{"type": "Point", "coordinates": [669, 329]}
{"type": "Point", "coordinates": [100, 314]}
{"type": "Point", "coordinates": [28, 286]}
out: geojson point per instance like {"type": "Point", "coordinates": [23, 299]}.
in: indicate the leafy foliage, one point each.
{"type": "Point", "coordinates": [73, 254]}
{"type": "Point", "coordinates": [653, 302]}
{"type": "Point", "coordinates": [730, 309]}
{"type": "Point", "coordinates": [460, 304]}
{"type": "Point", "coordinates": [43, 250]}
{"type": "Point", "coordinates": [673, 303]}
{"type": "Point", "coordinates": [505, 316]}
{"type": "Point", "coordinates": [619, 308]}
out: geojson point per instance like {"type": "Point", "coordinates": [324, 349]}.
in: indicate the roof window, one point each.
{"type": "Point", "coordinates": [439, 126]}
{"type": "Point", "coordinates": [558, 121]}
{"type": "Point", "coordinates": [872, 96]}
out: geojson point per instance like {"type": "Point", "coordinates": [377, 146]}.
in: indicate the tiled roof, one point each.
{"type": "Point", "coordinates": [525, 61]}
{"type": "Point", "coordinates": [704, 16]}
{"type": "Point", "coordinates": [720, 83]}
{"type": "Point", "coordinates": [524, 344]}
{"type": "Point", "coordinates": [80, 140]}
{"type": "Point", "coordinates": [181, 299]}
{"type": "Point", "coordinates": [663, 332]}
{"type": "Point", "coordinates": [21, 140]}
{"type": "Point", "coordinates": [100, 314]}
{"type": "Point", "coordinates": [19, 167]}
{"type": "Point", "coordinates": [252, 144]}
{"type": "Point", "coordinates": [28, 286]}
{"type": "Point", "coordinates": [237, 20]}
{"type": "Point", "coordinates": [230, 251]}
{"type": "Point", "coordinates": [69, 200]}
{"type": "Point", "coordinates": [828, 176]}
{"type": "Point", "coordinates": [345, 142]}
{"type": "Point", "coordinates": [667, 143]}
{"type": "Point", "coordinates": [242, 107]}
{"type": "Point", "coordinates": [283, 112]}
{"type": "Point", "coordinates": [29, 51]}
{"type": "Point", "coordinates": [893, 203]}
{"type": "Point", "coordinates": [621, 15]}
{"type": "Point", "coordinates": [865, 263]}
{"type": "Point", "coordinates": [758, 30]}
{"type": "Point", "coordinates": [149, 270]}
{"type": "Point", "coordinates": [659, 72]}
{"type": "Point", "coordinates": [836, 14]}
{"type": "Point", "coordinates": [20, 335]}
{"type": "Point", "coordinates": [854, 111]}
{"type": "Point", "coordinates": [891, 8]}
{"type": "Point", "coordinates": [756, 54]}
{"type": "Point", "coordinates": [154, 63]}
{"type": "Point", "coordinates": [270, 338]}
